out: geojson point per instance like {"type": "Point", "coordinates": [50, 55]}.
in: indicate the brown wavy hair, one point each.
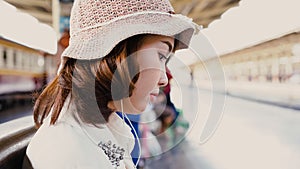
{"type": "Point", "coordinates": [90, 83]}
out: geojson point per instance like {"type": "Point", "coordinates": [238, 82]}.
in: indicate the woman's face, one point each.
{"type": "Point", "coordinates": [151, 58]}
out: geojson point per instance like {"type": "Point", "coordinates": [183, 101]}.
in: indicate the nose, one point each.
{"type": "Point", "coordinates": [163, 81]}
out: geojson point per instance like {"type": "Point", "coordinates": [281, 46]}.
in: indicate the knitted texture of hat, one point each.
{"type": "Point", "coordinates": [93, 13]}
{"type": "Point", "coordinates": [97, 26]}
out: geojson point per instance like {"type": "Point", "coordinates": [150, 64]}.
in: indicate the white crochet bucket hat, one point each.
{"type": "Point", "coordinates": [97, 26]}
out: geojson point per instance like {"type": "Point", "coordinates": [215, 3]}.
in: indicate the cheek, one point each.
{"type": "Point", "coordinates": [146, 83]}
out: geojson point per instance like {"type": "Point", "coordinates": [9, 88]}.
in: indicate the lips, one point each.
{"type": "Point", "coordinates": [154, 94]}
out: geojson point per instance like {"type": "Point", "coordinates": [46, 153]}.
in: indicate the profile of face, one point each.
{"type": "Point", "coordinates": [151, 57]}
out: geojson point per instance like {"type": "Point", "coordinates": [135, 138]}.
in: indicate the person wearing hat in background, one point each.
{"type": "Point", "coordinates": [167, 92]}
{"type": "Point", "coordinates": [115, 62]}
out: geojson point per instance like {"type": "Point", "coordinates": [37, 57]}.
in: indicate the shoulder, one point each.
{"type": "Point", "coordinates": [63, 146]}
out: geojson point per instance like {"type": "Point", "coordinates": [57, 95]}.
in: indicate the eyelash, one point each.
{"type": "Point", "coordinates": [161, 56]}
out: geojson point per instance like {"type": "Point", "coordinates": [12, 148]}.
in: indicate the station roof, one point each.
{"type": "Point", "coordinates": [202, 11]}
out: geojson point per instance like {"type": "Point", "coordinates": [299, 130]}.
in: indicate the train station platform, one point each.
{"type": "Point", "coordinates": [184, 155]}
{"type": "Point", "coordinates": [259, 129]}
{"type": "Point", "coordinates": [188, 154]}
{"type": "Point", "coordinates": [279, 94]}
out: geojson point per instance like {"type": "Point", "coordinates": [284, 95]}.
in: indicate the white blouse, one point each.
{"type": "Point", "coordinates": [70, 145]}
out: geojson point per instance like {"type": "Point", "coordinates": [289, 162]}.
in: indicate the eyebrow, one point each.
{"type": "Point", "coordinates": [169, 45]}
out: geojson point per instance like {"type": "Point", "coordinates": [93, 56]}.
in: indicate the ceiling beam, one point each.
{"type": "Point", "coordinates": [205, 17]}
{"type": "Point", "coordinates": [41, 16]}
{"type": "Point", "coordinates": [46, 4]}
{"type": "Point", "coordinates": [188, 7]}
{"type": "Point", "coordinates": [202, 11]}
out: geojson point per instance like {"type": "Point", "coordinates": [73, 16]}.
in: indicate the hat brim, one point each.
{"type": "Point", "coordinates": [98, 41]}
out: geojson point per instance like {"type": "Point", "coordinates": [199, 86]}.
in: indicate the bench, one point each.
{"type": "Point", "coordinates": [13, 143]}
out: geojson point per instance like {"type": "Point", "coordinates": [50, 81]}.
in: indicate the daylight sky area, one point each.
{"type": "Point", "coordinates": [253, 22]}
{"type": "Point", "coordinates": [250, 23]}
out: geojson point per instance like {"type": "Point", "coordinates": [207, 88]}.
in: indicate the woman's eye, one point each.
{"type": "Point", "coordinates": [162, 57]}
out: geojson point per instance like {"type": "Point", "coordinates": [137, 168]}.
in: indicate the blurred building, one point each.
{"type": "Point", "coordinates": [20, 65]}
{"type": "Point", "coordinates": [23, 70]}
{"type": "Point", "coordinates": [276, 61]}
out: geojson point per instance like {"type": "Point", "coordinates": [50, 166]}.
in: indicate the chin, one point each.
{"type": "Point", "coordinates": [142, 107]}
{"type": "Point", "coordinates": [139, 106]}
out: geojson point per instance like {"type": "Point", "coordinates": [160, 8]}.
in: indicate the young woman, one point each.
{"type": "Point", "coordinates": [115, 62]}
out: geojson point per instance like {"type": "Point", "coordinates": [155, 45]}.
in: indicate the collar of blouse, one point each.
{"type": "Point", "coordinates": [114, 138]}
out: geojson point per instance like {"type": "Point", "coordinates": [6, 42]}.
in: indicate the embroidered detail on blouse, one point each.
{"type": "Point", "coordinates": [115, 153]}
